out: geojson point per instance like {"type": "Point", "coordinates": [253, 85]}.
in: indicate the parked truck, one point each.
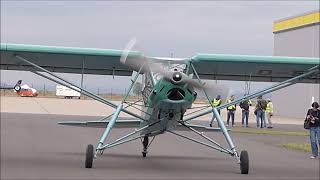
{"type": "Point", "coordinates": [66, 92]}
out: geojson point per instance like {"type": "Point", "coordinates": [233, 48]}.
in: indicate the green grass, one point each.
{"type": "Point", "coordinates": [297, 146]}
{"type": "Point", "coordinates": [270, 132]}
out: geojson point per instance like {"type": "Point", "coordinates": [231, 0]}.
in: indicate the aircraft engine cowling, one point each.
{"type": "Point", "coordinates": [176, 94]}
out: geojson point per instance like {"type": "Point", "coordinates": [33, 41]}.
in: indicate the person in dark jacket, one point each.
{"type": "Point", "coordinates": [244, 105]}
{"type": "Point", "coordinates": [313, 115]}
{"type": "Point", "coordinates": [260, 112]}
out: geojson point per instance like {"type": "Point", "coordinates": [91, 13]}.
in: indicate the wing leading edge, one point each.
{"type": "Point", "coordinates": [107, 62]}
{"type": "Point", "coordinates": [253, 68]}
{"type": "Point", "coordinates": [66, 59]}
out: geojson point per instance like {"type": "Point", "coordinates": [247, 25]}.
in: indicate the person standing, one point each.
{"type": "Point", "coordinates": [260, 112]}
{"type": "Point", "coordinates": [215, 103]}
{"type": "Point", "coordinates": [250, 102]}
{"type": "Point", "coordinates": [231, 111]}
{"type": "Point", "coordinates": [269, 112]}
{"type": "Point", "coordinates": [313, 115]}
{"type": "Point", "coordinates": [244, 105]}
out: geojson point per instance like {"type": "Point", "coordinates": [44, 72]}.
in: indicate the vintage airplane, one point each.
{"type": "Point", "coordinates": [168, 88]}
{"type": "Point", "coordinates": [23, 90]}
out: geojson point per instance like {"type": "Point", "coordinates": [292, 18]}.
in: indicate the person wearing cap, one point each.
{"type": "Point", "coordinates": [269, 112]}
{"type": "Point", "coordinates": [231, 111]}
{"type": "Point", "coordinates": [215, 103]}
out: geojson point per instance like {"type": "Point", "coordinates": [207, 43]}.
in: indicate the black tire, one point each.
{"type": "Point", "coordinates": [144, 154]}
{"type": "Point", "coordinates": [244, 162]}
{"type": "Point", "coordinates": [17, 88]}
{"type": "Point", "coordinates": [89, 156]}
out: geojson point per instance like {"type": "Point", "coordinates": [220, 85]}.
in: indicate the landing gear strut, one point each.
{"type": "Point", "coordinates": [145, 144]}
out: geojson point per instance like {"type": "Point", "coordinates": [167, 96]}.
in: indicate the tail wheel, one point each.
{"type": "Point", "coordinates": [145, 144]}
{"type": "Point", "coordinates": [144, 154]}
{"type": "Point", "coordinates": [244, 162]}
{"type": "Point", "coordinates": [89, 156]}
{"type": "Point", "coordinates": [17, 88]}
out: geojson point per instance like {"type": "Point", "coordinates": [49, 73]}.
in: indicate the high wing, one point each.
{"type": "Point", "coordinates": [66, 59]}
{"type": "Point", "coordinates": [253, 68]}
{"type": "Point", "coordinates": [107, 62]}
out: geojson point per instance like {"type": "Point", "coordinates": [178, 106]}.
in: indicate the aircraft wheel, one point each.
{"type": "Point", "coordinates": [244, 162]}
{"type": "Point", "coordinates": [144, 154]}
{"type": "Point", "coordinates": [89, 156]}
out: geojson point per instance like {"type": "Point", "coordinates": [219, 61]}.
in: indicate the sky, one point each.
{"type": "Point", "coordinates": [161, 28]}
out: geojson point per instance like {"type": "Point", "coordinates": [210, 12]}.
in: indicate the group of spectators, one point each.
{"type": "Point", "coordinates": [263, 110]}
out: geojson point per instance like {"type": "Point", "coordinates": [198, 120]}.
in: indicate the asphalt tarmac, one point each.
{"type": "Point", "coordinates": [35, 147]}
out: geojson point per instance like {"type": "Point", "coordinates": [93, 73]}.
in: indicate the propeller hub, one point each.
{"type": "Point", "coordinates": [177, 76]}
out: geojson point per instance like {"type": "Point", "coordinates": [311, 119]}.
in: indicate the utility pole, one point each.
{"type": "Point", "coordinates": [111, 94]}
{"type": "Point", "coordinates": [82, 72]}
{"type": "Point", "coordinates": [44, 89]}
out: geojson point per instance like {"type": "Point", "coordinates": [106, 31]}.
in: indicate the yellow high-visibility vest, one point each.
{"type": "Point", "coordinates": [232, 107]}
{"type": "Point", "coordinates": [250, 102]}
{"type": "Point", "coordinates": [269, 107]}
{"type": "Point", "coordinates": [216, 102]}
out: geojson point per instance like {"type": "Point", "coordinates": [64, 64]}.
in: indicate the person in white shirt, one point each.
{"type": "Point", "coordinates": [269, 112]}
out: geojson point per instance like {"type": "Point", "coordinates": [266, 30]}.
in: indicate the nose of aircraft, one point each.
{"type": "Point", "coordinates": [177, 76]}
{"type": "Point", "coordinates": [176, 94]}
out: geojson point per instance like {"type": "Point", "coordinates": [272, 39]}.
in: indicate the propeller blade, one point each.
{"type": "Point", "coordinates": [127, 50]}
{"type": "Point", "coordinates": [138, 61]}
{"type": "Point", "coordinates": [217, 89]}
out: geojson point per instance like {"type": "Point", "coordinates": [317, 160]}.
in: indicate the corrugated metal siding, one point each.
{"type": "Point", "coordinates": [294, 100]}
{"type": "Point", "coordinates": [304, 42]}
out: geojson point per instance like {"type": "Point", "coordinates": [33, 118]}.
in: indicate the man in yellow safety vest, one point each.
{"type": "Point", "coordinates": [215, 103]}
{"type": "Point", "coordinates": [269, 112]}
{"type": "Point", "coordinates": [231, 111]}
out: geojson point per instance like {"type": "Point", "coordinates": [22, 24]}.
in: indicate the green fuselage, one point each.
{"type": "Point", "coordinates": [167, 102]}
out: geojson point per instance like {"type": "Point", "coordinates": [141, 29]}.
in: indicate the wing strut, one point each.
{"type": "Point", "coordinates": [116, 114]}
{"type": "Point", "coordinates": [267, 90]}
{"type": "Point", "coordinates": [214, 110]}
{"type": "Point", "coordinates": [74, 87]}
{"type": "Point", "coordinates": [221, 124]}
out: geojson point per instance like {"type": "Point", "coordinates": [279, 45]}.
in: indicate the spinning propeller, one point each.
{"type": "Point", "coordinates": [135, 62]}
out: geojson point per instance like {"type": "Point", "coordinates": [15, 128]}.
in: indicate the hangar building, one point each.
{"type": "Point", "coordinates": [296, 36]}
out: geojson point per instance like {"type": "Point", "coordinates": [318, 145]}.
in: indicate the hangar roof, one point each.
{"type": "Point", "coordinates": [305, 19]}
